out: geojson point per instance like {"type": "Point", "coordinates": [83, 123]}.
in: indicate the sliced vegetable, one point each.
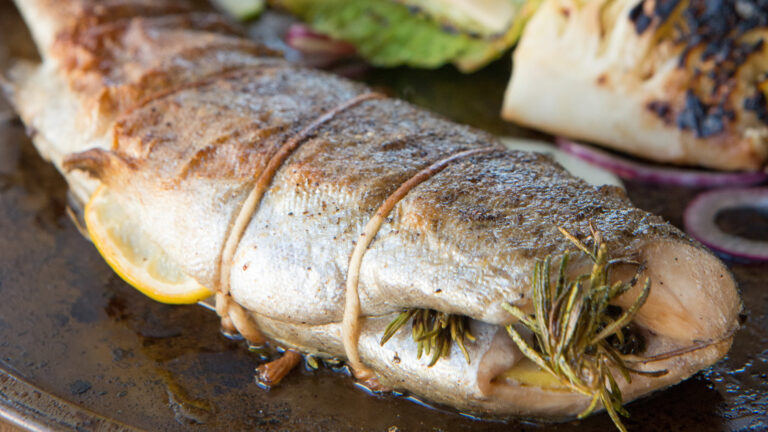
{"type": "Point", "coordinates": [134, 257]}
{"type": "Point", "coordinates": [700, 221]}
{"type": "Point", "coordinates": [241, 9]}
{"type": "Point", "coordinates": [307, 41]}
{"type": "Point", "coordinates": [388, 33]}
{"type": "Point", "coordinates": [322, 52]}
{"type": "Point", "coordinates": [657, 174]}
{"type": "Point", "coordinates": [482, 17]}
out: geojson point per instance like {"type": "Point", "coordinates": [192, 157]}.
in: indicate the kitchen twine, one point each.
{"type": "Point", "coordinates": [233, 316]}
{"type": "Point", "coordinates": [350, 329]}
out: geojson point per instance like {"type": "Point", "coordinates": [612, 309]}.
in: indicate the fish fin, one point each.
{"type": "Point", "coordinates": [96, 162]}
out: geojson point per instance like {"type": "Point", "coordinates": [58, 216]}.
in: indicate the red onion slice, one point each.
{"type": "Point", "coordinates": [656, 174]}
{"type": "Point", "coordinates": [307, 41]}
{"type": "Point", "coordinates": [701, 214]}
{"type": "Point", "coordinates": [320, 51]}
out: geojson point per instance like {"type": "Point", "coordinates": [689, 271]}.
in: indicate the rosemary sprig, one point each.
{"type": "Point", "coordinates": [578, 335]}
{"type": "Point", "coordinates": [434, 332]}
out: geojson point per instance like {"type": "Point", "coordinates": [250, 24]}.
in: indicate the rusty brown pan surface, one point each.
{"type": "Point", "coordinates": [81, 350]}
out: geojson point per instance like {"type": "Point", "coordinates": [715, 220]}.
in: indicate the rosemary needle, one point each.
{"type": "Point", "coordinates": [578, 338]}
{"type": "Point", "coordinates": [434, 332]}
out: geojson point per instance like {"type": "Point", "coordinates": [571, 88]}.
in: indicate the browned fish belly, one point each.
{"type": "Point", "coordinates": [319, 211]}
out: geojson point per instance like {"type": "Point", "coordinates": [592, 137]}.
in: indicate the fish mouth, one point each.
{"type": "Point", "coordinates": [687, 323]}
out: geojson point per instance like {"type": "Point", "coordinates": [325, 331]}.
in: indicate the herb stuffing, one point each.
{"type": "Point", "coordinates": [578, 337]}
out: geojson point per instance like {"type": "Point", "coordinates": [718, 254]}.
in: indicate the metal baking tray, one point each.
{"type": "Point", "coordinates": [81, 350]}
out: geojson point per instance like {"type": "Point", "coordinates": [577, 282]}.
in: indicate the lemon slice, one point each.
{"type": "Point", "coordinates": [136, 258]}
{"type": "Point", "coordinates": [528, 373]}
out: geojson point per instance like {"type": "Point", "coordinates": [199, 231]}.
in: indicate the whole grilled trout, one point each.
{"type": "Point", "coordinates": [319, 211]}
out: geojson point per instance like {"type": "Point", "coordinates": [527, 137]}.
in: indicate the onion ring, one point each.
{"type": "Point", "coordinates": [700, 221]}
{"type": "Point", "coordinates": [658, 174]}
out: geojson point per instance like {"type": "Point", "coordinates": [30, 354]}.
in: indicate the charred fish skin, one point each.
{"type": "Point", "coordinates": [182, 155]}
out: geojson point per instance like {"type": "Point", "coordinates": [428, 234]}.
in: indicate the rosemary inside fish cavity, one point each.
{"type": "Point", "coordinates": [578, 336]}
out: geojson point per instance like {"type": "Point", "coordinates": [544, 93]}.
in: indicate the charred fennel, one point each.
{"type": "Point", "coordinates": [576, 335]}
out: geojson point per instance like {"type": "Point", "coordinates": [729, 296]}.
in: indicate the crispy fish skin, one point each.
{"type": "Point", "coordinates": [182, 156]}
